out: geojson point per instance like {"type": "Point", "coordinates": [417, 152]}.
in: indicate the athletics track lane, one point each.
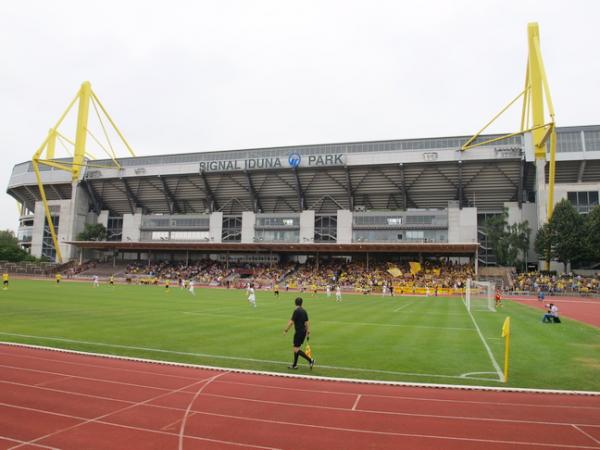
{"type": "Point", "coordinates": [51, 399]}
{"type": "Point", "coordinates": [583, 309]}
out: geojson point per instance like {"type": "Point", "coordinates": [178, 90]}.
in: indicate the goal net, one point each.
{"type": "Point", "coordinates": [479, 296]}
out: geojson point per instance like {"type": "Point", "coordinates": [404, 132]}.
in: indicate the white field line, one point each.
{"type": "Point", "coordinates": [239, 358]}
{"type": "Point", "coordinates": [399, 308]}
{"type": "Point", "coordinates": [487, 348]}
{"type": "Point", "coordinates": [376, 324]}
{"type": "Point", "coordinates": [306, 377]}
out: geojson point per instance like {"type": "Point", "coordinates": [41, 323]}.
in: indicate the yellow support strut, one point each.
{"type": "Point", "coordinates": [535, 94]}
{"type": "Point", "coordinates": [84, 96]}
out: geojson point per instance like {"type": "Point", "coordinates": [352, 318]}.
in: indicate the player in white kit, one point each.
{"type": "Point", "coordinates": [328, 290]}
{"type": "Point", "coordinates": [191, 288]}
{"type": "Point", "coordinates": [338, 293]}
{"type": "Point", "coordinates": [96, 282]}
{"type": "Point", "coordinates": [252, 295]}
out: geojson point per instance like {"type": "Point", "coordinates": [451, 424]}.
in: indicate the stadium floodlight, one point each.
{"type": "Point", "coordinates": [479, 296]}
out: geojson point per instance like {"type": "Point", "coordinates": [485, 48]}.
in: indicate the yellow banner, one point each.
{"type": "Point", "coordinates": [415, 267]}
{"type": "Point", "coordinates": [395, 272]}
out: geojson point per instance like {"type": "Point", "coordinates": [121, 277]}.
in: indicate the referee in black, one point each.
{"type": "Point", "coordinates": [302, 326]}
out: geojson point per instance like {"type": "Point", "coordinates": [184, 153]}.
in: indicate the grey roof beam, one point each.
{"type": "Point", "coordinates": [96, 202]}
{"type": "Point", "coordinates": [256, 206]}
{"type": "Point", "coordinates": [133, 200]}
{"type": "Point", "coordinates": [299, 191]}
{"type": "Point", "coordinates": [169, 197]}
{"type": "Point", "coordinates": [349, 191]}
{"type": "Point", "coordinates": [212, 202]}
{"type": "Point", "coordinates": [581, 171]}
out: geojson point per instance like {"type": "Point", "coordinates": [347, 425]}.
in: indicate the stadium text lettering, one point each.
{"type": "Point", "coordinates": [269, 163]}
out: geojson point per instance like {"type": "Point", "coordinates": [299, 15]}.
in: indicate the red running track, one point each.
{"type": "Point", "coordinates": [54, 399]}
{"type": "Point", "coordinates": [583, 309]}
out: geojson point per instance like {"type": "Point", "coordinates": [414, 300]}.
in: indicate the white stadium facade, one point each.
{"type": "Point", "coordinates": [415, 197]}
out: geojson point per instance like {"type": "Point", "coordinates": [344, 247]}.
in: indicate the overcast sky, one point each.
{"type": "Point", "coordinates": [194, 76]}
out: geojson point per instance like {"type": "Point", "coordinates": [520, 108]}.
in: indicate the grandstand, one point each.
{"type": "Point", "coordinates": [418, 198]}
{"type": "Point", "coordinates": [368, 202]}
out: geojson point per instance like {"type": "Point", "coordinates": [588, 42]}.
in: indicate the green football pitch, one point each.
{"type": "Point", "coordinates": [412, 339]}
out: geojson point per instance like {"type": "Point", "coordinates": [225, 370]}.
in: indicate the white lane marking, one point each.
{"type": "Point", "coordinates": [187, 411]}
{"type": "Point", "coordinates": [129, 427]}
{"type": "Point", "coordinates": [103, 416]}
{"type": "Point", "coordinates": [587, 434]}
{"type": "Point", "coordinates": [356, 402]}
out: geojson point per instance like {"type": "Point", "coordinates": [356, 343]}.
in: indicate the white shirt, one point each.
{"type": "Point", "coordinates": [338, 291]}
{"type": "Point", "coordinates": [554, 311]}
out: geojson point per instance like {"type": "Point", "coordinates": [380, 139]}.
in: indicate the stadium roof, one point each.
{"type": "Point", "coordinates": [380, 175]}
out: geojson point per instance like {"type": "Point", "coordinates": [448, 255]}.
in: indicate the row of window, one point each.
{"type": "Point", "coordinates": [403, 236]}
{"type": "Point", "coordinates": [583, 201]}
{"type": "Point", "coordinates": [179, 222]}
{"type": "Point", "coordinates": [180, 236]}
{"type": "Point", "coordinates": [277, 221]}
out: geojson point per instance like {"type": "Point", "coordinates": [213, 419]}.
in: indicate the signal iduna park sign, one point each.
{"type": "Point", "coordinates": [294, 160]}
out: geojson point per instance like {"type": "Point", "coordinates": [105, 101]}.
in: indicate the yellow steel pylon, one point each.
{"type": "Point", "coordinates": [85, 96]}
{"type": "Point", "coordinates": [535, 94]}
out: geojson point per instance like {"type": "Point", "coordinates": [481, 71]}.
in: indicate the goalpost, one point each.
{"type": "Point", "coordinates": [479, 296]}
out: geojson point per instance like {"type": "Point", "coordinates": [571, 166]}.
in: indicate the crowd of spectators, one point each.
{"type": "Point", "coordinates": [208, 272]}
{"type": "Point", "coordinates": [376, 275]}
{"type": "Point", "coordinates": [552, 284]}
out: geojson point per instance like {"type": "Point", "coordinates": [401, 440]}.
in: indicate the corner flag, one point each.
{"type": "Point", "coordinates": [506, 336]}
{"type": "Point", "coordinates": [506, 327]}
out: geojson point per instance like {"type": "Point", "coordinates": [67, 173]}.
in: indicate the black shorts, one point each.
{"type": "Point", "coordinates": [299, 338]}
{"type": "Point", "coordinates": [276, 292]}
{"type": "Point", "coordinates": [5, 282]}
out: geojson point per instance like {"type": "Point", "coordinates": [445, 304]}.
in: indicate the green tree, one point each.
{"type": "Point", "coordinates": [517, 237]}
{"type": "Point", "coordinates": [567, 233]}
{"type": "Point", "coordinates": [507, 241]}
{"type": "Point", "coordinates": [543, 243]}
{"type": "Point", "coordinates": [93, 232]}
{"type": "Point", "coordinates": [7, 238]}
{"type": "Point", "coordinates": [10, 249]}
{"type": "Point", "coordinates": [592, 234]}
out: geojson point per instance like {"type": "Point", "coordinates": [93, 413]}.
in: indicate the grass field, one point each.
{"type": "Point", "coordinates": [429, 340]}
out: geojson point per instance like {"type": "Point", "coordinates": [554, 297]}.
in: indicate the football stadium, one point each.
{"type": "Point", "coordinates": [158, 305]}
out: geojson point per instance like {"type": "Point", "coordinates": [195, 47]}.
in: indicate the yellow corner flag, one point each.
{"type": "Point", "coordinates": [506, 336]}
{"type": "Point", "coordinates": [506, 327]}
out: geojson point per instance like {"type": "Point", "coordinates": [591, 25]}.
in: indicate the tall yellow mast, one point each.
{"type": "Point", "coordinates": [85, 96]}
{"type": "Point", "coordinates": [535, 95]}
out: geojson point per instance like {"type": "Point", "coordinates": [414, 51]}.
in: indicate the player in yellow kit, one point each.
{"type": "Point", "coordinates": [5, 280]}
{"type": "Point", "coordinates": [58, 277]}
